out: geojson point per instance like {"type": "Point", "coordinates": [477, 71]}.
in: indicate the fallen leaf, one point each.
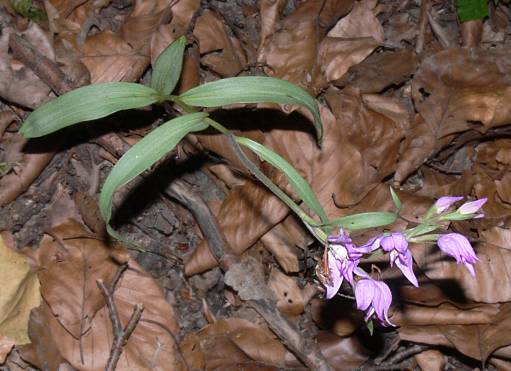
{"type": "Point", "coordinates": [80, 330]}
{"type": "Point", "coordinates": [380, 70]}
{"type": "Point", "coordinates": [19, 294]}
{"type": "Point", "coordinates": [360, 22]}
{"type": "Point", "coordinates": [291, 299]}
{"type": "Point", "coordinates": [220, 52]}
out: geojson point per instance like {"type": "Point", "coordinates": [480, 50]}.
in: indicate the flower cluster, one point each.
{"type": "Point", "coordinates": [374, 296]}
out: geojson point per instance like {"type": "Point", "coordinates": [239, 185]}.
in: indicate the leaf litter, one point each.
{"type": "Point", "coordinates": [432, 123]}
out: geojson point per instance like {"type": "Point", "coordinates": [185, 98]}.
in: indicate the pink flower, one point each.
{"type": "Point", "coordinates": [343, 258]}
{"type": "Point", "coordinates": [459, 247]}
{"type": "Point", "coordinates": [375, 298]}
{"type": "Point", "coordinates": [397, 245]}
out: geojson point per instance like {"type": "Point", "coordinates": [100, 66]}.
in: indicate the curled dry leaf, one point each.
{"type": "Point", "coordinates": [380, 70]}
{"type": "Point", "coordinates": [454, 91]}
{"type": "Point", "coordinates": [431, 359]}
{"type": "Point", "coordinates": [230, 342]}
{"type": "Point", "coordinates": [18, 295]}
{"type": "Point", "coordinates": [24, 162]}
{"type": "Point", "coordinates": [76, 319]}
{"type": "Point", "coordinates": [476, 341]}
{"type": "Point", "coordinates": [220, 52]}
{"type": "Point", "coordinates": [291, 50]}
{"type": "Point", "coordinates": [291, 299]}
{"type": "Point", "coordinates": [282, 246]}
{"type": "Point", "coordinates": [360, 22]}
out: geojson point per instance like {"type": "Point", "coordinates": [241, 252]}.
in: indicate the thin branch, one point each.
{"type": "Point", "coordinates": [304, 349]}
{"type": "Point", "coordinates": [423, 24]}
{"type": "Point", "coordinates": [42, 66]}
{"type": "Point", "coordinates": [121, 335]}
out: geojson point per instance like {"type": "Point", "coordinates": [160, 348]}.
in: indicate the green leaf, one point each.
{"type": "Point", "coordinates": [365, 220]}
{"type": "Point", "coordinates": [472, 9]}
{"type": "Point", "coordinates": [252, 89]}
{"type": "Point", "coordinates": [370, 327]}
{"type": "Point", "coordinates": [88, 103]}
{"type": "Point", "coordinates": [145, 153]}
{"type": "Point", "coordinates": [299, 184]}
{"type": "Point", "coordinates": [167, 69]}
{"type": "Point", "coordinates": [395, 198]}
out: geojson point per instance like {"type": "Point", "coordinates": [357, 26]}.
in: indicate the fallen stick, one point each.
{"type": "Point", "coordinates": [242, 276]}
{"type": "Point", "coordinates": [121, 334]}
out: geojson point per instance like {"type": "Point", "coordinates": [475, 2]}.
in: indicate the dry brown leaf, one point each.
{"type": "Point", "coordinates": [291, 50]}
{"type": "Point", "coordinates": [19, 293]}
{"type": "Point", "coordinates": [26, 162]}
{"type": "Point", "coordinates": [454, 91]}
{"type": "Point", "coordinates": [291, 299]}
{"type": "Point", "coordinates": [430, 360]}
{"type": "Point", "coordinates": [361, 22]}
{"type": "Point", "coordinates": [248, 203]}
{"type": "Point", "coordinates": [337, 55]}
{"type": "Point", "coordinates": [333, 10]}
{"type": "Point", "coordinates": [342, 353]}
{"type": "Point", "coordinates": [72, 262]}
{"type": "Point", "coordinates": [283, 248]}
{"type": "Point", "coordinates": [401, 26]}
{"type": "Point", "coordinates": [143, 20]}
{"type": "Point", "coordinates": [232, 341]}
{"type": "Point", "coordinates": [380, 70]}
{"type": "Point", "coordinates": [220, 52]}
{"type": "Point", "coordinates": [476, 341]}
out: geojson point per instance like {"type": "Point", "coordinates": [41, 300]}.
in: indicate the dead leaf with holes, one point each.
{"type": "Point", "coordinates": [291, 299]}
{"type": "Point", "coordinates": [19, 293]}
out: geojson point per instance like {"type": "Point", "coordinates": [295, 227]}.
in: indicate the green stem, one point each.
{"type": "Point", "coordinates": [310, 223]}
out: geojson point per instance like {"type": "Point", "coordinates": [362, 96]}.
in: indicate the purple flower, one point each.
{"type": "Point", "coordinates": [459, 247]}
{"type": "Point", "coordinates": [472, 207]}
{"type": "Point", "coordinates": [397, 245]}
{"type": "Point", "coordinates": [343, 258]}
{"type": "Point", "coordinates": [443, 203]}
{"type": "Point", "coordinates": [375, 298]}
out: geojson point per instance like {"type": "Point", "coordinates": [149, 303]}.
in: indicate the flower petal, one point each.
{"type": "Point", "coordinates": [364, 293]}
{"type": "Point", "coordinates": [405, 264]}
{"type": "Point", "coordinates": [394, 241]}
{"type": "Point", "coordinates": [472, 207]}
{"type": "Point", "coordinates": [443, 203]}
{"type": "Point", "coordinates": [335, 277]}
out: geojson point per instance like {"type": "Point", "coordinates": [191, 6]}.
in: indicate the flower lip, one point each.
{"type": "Point", "coordinates": [375, 298]}
{"type": "Point", "coordinates": [472, 206]}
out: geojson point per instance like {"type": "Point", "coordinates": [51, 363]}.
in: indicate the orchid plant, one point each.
{"type": "Point", "coordinates": [342, 257]}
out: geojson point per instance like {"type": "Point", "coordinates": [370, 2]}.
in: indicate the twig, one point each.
{"type": "Point", "coordinates": [121, 335]}
{"type": "Point", "coordinates": [423, 23]}
{"type": "Point", "coordinates": [404, 354]}
{"type": "Point", "coordinates": [42, 66]}
{"type": "Point", "coordinates": [303, 348]}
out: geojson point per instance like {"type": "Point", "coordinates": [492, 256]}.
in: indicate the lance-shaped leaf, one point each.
{"type": "Point", "coordinates": [299, 184]}
{"type": "Point", "coordinates": [365, 220]}
{"type": "Point", "coordinates": [88, 103]}
{"type": "Point", "coordinates": [167, 69]}
{"type": "Point", "coordinates": [395, 198]}
{"type": "Point", "coordinates": [145, 153]}
{"type": "Point", "coordinates": [252, 89]}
